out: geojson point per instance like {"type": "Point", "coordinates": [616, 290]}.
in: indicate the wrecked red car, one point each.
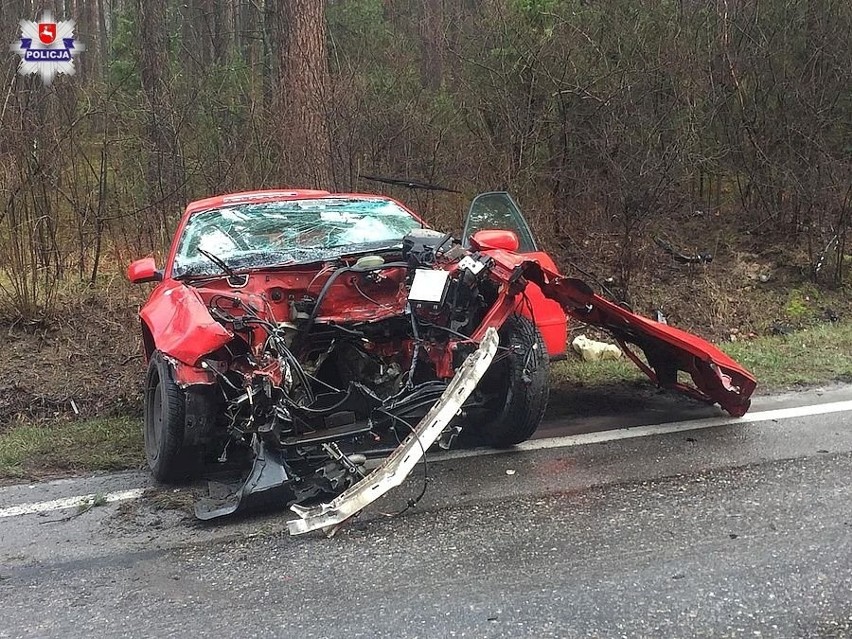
{"type": "Point", "coordinates": [297, 333]}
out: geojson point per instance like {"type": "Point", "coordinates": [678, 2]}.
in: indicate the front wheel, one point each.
{"type": "Point", "coordinates": [517, 383]}
{"type": "Point", "coordinates": [164, 423]}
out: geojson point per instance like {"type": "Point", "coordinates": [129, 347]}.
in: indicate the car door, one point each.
{"type": "Point", "coordinates": [498, 210]}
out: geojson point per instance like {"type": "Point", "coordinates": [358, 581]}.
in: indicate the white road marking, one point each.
{"type": "Point", "coordinates": [69, 502]}
{"type": "Point", "coordinates": [657, 429]}
{"type": "Point", "coordinates": [535, 444]}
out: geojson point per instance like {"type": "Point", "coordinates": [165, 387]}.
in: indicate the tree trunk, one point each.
{"type": "Point", "coordinates": [164, 173]}
{"type": "Point", "coordinates": [302, 94]}
{"type": "Point", "coordinates": [249, 33]}
{"type": "Point", "coordinates": [432, 45]}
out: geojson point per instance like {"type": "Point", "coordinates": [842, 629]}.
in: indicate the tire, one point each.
{"type": "Point", "coordinates": [164, 424]}
{"type": "Point", "coordinates": [522, 378]}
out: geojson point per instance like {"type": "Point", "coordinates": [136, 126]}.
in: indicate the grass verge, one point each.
{"type": "Point", "coordinates": [576, 372]}
{"type": "Point", "coordinates": [39, 450]}
{"type": "Point", "coordinates": [813, 356]}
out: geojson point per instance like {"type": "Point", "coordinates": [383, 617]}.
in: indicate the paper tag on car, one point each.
{"type": "Point", "coordinates": [428, 285]}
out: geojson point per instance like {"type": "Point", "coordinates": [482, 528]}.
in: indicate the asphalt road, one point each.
{"type": "Point", "coordinates": [703, 528]}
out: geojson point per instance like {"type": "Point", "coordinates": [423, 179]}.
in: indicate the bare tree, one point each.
{"type": "Point", "coordinates": [302, 94]}
{"type": "Point", "coordinates": [164, 173]}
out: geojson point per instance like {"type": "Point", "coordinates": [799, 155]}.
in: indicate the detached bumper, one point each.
{"type": "Point", "coordinates": [399, 464]}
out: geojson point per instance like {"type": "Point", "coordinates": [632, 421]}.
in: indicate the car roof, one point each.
{"type": "Point", "coordinates": [249, 197]}
{"type": "Point", "coordinates": [252, 196]}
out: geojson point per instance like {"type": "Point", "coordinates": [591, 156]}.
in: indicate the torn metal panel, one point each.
{"type": "Point", "coordinates": [181, 324]}
{"type": "Point", "coordinates": [393, 471]}
{"type": "Point", "coordinates": [668, 350]}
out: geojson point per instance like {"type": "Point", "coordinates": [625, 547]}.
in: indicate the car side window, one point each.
{"type": "Point", "coordinates": [498, 210]}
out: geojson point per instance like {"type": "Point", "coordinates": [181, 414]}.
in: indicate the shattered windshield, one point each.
{"type": "Point", "coordinates": [288, 232]}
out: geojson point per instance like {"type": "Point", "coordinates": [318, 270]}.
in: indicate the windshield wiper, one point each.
{"type": "Point", "coordinates": [408, 183]}
{"type": "Point", "coordinates": [218, 261]}
{"type": "Point", "coordinates": [360, 247]}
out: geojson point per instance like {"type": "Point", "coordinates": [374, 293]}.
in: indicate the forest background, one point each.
{"type": "Point", "coordinates": [628, 130]}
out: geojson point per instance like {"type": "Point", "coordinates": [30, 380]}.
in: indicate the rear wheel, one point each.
{"type": "Point", "coordinates": [518, 384]}
{"type": "Point", "coordinates": [164, 424]}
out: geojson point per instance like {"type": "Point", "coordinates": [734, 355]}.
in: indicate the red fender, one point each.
{"type": "Point", "coordinates": [668, 350]}
{"type": "Point", "coordinates": [181, 325]}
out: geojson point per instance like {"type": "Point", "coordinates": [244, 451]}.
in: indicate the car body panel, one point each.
{"type": "Point", "coordinates": [181, 324]}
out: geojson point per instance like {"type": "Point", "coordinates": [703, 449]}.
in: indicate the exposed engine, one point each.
{"type": "Point", "coordinates": [330, 365]}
